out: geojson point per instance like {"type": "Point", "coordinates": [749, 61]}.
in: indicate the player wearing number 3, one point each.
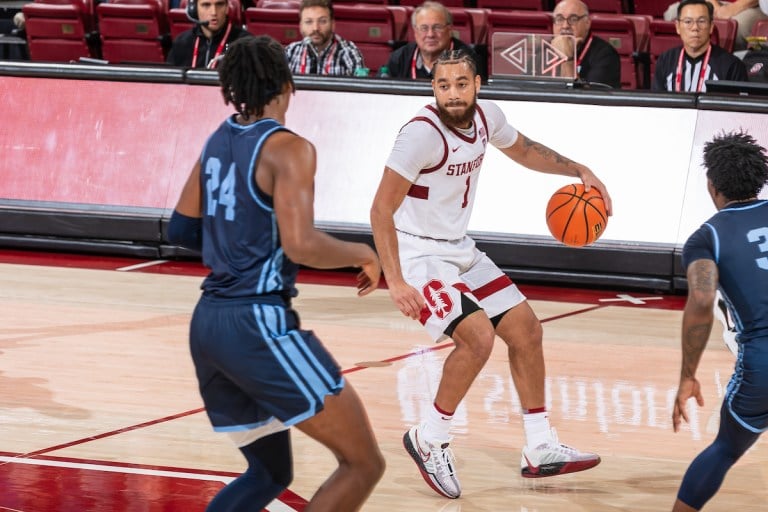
{"type": "Point", "coordinates": [436, 274]}
{"type": "Point", "coordinates": [248, 204]}
{"type": "Point", "coordinates": [728, 252]}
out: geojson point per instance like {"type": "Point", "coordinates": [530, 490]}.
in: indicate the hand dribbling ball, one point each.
{"type": "Point", "coordinates": [575, 217]}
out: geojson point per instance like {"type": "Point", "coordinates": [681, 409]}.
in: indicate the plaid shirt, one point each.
{"type": "Point", "coordinates": [341, 57]}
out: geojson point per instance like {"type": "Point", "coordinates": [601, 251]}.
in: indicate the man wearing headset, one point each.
{"type": "Point", "coordinates": [204, 45]}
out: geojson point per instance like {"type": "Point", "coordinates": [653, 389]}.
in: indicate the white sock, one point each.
{"type": "Point", "coordinates": [436, 426]}
{"type": "Point", "coordinates": [537, 428]}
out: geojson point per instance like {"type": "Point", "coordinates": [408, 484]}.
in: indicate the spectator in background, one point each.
{"type": "Point", "coordinates": [204, 45]}
{"type": "Point", "coordinates": [432, 28]}
{"type": "Point", "coordinates": [687, 67]}
{"type": "Point", "coordinates": [595, 60]}
{"type": "Point", "coordinates": [745, 12]}
{"type": "Point", "coordinates": [321, 52]}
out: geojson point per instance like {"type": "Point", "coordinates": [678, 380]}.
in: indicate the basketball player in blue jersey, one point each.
{"type": "Point", "coordinates": [436, 274]}
{"type": "Point", "coordinates": [248, 204]}
{"type": "Point", "coordinates": [729, 252]}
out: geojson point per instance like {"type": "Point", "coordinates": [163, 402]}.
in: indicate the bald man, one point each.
{"type": "Point", "coordinates": [594, 59]}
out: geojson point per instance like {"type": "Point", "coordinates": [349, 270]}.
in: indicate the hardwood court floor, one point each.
{"type": "Point", "coordinates": [99, 409]}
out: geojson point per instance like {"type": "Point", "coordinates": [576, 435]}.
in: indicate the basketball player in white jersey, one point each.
{"type": "Point", "coordinates": [436, 274]}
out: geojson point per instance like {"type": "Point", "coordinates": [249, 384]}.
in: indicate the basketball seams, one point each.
{"type": "Point", "coordinates": [573, 215]}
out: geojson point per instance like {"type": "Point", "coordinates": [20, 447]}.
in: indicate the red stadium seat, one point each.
{"type": "Point", "coordinates": [372, 29]}
{"type": "Point", "coordinates": [134, 31]}
{"type": "Point", "coordinates": [447, 3]}
{"type": "Point", "coordinates": [279, 4]}
{"type": "Point", "coordinates": [607, 6]}
{"type": "Point", "coordinates": [61, 30]}
{"type": "Point", "coordinates": [760, 28]}
{"type": "Point", "coordinates": [653, 8]}
{"type": "Point", "coordinates": [726, 33]}
{"type": "Point", "coordinates": [527, 22]}
{"type": "Point", "coordinates": [620, 32]}
{"type": "Point", "coordinates": [514, 5]}
{"type": "Point", "coordinates": [281, 24]}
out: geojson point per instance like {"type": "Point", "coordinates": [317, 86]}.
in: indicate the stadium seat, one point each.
{"type": "Point", "coordinates": [607, 6]}
{"type": "Point", "coordinates": [282, 24]}
{"type": "Point", "coordinates": [760, 28]}
{"type": "Point", "coordinates": [447, 3]}
{"type": "Point", "coordinates": [726, 33]}
{"type": "Point", "coordinates": [279, 4]}
{"type": "Point", "coordinates": [620, 32]}
{"type": "Point", "coordinates": [515, 5]}
{"type": "Point", "coordinates": [61, 30]}
{"type": "Point", "coordinates": [653, 8]}
{"type": "Point", "coordinates": [372, 28]}
{"type": "Point", "coordinates": [527, 22]}
{"type": "Point", "coordinates": [134, 31]}
{"type": "Point", "coordinates": [179, 22]}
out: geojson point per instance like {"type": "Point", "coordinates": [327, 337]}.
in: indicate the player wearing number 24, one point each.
{"type": "Point", "coordinates": [248, 204]}
{"type": "Point", "coordinates": [436, 274]}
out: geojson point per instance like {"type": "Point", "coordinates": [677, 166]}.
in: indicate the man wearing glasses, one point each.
{"type": "Point", "coordinates": [432, 27]}
{"type": "Point", "coordinates": [686, 68]}
{"type": "Point", "coordinates": [745, 12]}
{"type": "Point", "coordinates": [594, 59]}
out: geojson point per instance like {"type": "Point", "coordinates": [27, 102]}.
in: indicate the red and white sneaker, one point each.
{"type": "Point", "coordinates": [552, 458]}
{"type": "Point", "coordinates": [435, 462]}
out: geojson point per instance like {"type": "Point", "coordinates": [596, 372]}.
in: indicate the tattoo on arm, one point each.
{"type": "Point", "coordinates": [546, 152]}
{"type": "Point", "coordinates": [697, 316]}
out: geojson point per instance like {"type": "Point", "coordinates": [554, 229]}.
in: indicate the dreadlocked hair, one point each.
{"type": "Point", "coordinates": [254, 70]}
{"type": "Point", "coordinates": [736, 164]}
{"type": "Point", "coordinates": [456, 57]}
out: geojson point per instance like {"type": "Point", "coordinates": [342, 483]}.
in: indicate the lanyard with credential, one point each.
{"type": "Point", "coordinates": [220, 49]}
{"type": "Point", "coordinates": [702, 73]}
{"type": "Point", "coordinates": [328, 60]}
{"type": "Point", "coordinates": [413, 60]}
{"type": "Point", "coordinates": [583, 53]}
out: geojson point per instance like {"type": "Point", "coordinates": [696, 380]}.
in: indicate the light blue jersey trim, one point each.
{"type": "Point", "coordinates": [716, 239]}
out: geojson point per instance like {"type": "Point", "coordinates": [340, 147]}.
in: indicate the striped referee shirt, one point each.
{"type": "Point", "coordinates": [341, 57]}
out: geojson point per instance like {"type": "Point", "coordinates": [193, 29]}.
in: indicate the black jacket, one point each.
{"type": "Point", "coordinates": [399, 65]}
{"type": "Point", "coordinates": [601, 63]}
{"type": "Point", "coordinates": [184, 44]}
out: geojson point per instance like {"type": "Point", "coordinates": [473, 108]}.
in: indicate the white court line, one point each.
{"type": "Point", "coordinates": [275, 506]}
{"type": "Point", "coordinates": [625, 297]}
{"type": "Point", "coordinates": [141, 265]}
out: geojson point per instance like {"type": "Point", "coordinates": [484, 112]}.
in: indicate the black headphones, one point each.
{"type": "Point", "coordinates": [192, 11]}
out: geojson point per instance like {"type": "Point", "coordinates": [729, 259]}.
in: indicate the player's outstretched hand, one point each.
{"type": "Point", "coordinates": [369, 275]}
{"type": "Point", "coordinates": [689, 388]}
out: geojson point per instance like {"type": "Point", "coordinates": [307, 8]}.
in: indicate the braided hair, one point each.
{"type": "Point", "coordinates": [254, 70]}
{"type": "Point", "coordinates": [736, 164]}
{"type": "Point", "coordinates": [456, 57]}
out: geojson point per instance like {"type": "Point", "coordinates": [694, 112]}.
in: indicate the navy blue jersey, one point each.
{"type": "Point", "coordinates": [241, 243]}
{"type": "Point", "coordinates": [736, 239]}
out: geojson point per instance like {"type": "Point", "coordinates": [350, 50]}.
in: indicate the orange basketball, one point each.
{"type": "Point", "coordinates": [575, 217]}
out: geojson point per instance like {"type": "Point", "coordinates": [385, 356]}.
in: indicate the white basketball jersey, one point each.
{"type": "Point", "coordinates": [443, 165]}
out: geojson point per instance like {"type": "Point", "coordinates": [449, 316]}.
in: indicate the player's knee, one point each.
{"type": "Point", "coordinates": [371, 469]}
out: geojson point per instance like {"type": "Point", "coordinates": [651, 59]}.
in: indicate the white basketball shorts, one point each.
{"type": "Point", "coordinates": [444, 270]}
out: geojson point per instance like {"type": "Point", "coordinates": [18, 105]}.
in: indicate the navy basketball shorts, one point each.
{"type": "Point", "coordinates": [256, 367]}
{"type": "Point", "coordinates": [747, 393]}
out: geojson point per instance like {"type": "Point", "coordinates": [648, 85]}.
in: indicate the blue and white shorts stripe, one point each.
{"type": "Point", "coordinates": [256, 366]}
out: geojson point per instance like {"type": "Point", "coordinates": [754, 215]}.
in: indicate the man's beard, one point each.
{"type": "Point", "coordinates": [461, 120]}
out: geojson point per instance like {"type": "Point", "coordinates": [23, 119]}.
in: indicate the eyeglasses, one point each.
{"type": "Point", "coordinates": [572, 19]}
{"type": "Point", "coordinates": [437, 28]}
{"type": "Point", "coordinates": [689, 22]}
